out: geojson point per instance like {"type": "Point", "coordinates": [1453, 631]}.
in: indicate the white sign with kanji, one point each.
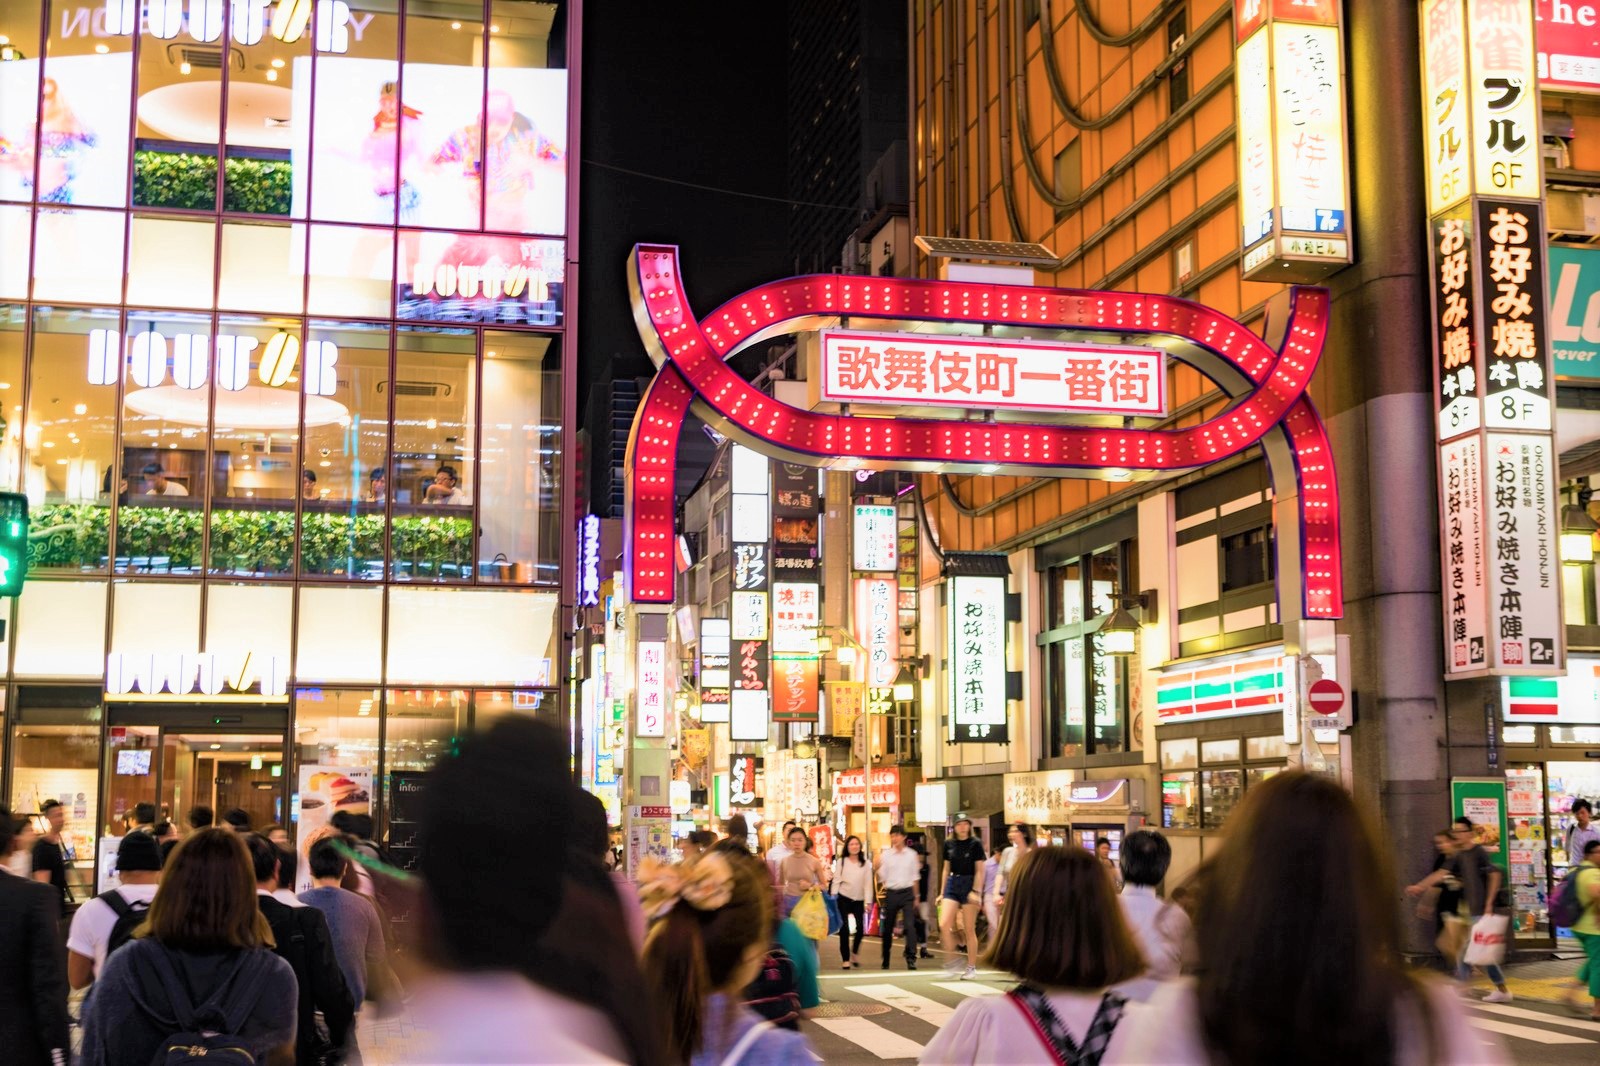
{"type": "Point", "coordinates": [977, 643]}
{"type": "Point", "coordinates": [652, 689]}
{"type": "Point", "coordinates": [989, 374]}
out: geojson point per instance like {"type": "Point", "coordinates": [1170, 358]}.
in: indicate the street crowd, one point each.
{"type": "Point", "coordinates": [516, 940]}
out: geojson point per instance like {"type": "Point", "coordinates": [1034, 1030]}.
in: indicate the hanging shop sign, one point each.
{"type": "Point", "coordinates": [850, 787]}
{"type": "Point", "coordinates": [1221, 690]}
{"type": "Point", "coordinates": [874, 537]}
{"type": "Point", "coordinates": [976, 638]}
{"type": "Point", "coordinates": [589, 561]}
{"type": "Point", "coordinates": [1498, 509]}
{"type": "Point", "coordinates": [1569, 44]}
{"type": "Point", "coordinates": [747, 714]}
{"type": "Point", "coordinates": [1570, 700]}
{"type": "Point", "coordinates": [1038, 797]}
{"type": "Point", "coordinates": [875, 628]}
{"type": "Point", "coordinates": [1482, 129]}
{"type": "Point", "coordinates": [744, 772]}
{"type": "Point", "coordinates": [651, 690]}
{"type": "Point", "coordinates": [716, 652]}
{"type": "Point", "coordinates": [796, 613]}
{"type": "Point", "coordinates": [805, 789]}
{"type": "Point", "coordinates": [242, 677]}
{"type": "Point", "coordinates": [751, 571]}
{"type": "Point", "coordinates": [794, 491]}
{"type": "Point", "coordinates": [794, 688]}
{"type": "Point", "coordinates": [844, 707]}
{"type": "Point", "coordinates": [1294, 186]}
{"type": "Point", "coordinates": [1575, 310]}
{"type": "Point", "coordinates": [982, 372]}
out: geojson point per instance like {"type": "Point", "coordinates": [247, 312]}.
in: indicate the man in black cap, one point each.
{"type": "Point", "coordinates": [106, 922]}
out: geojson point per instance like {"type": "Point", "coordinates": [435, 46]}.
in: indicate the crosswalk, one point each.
{"type": "Point", "coordinates": [919, 1004]}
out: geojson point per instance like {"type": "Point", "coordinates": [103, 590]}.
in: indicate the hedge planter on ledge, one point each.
{"type": "Point", "coordinates": [73, 537]}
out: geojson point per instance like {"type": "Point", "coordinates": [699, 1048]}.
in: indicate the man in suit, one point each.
{"type": "Point", "coordinates": [33, 966]}
{"type": "Point", "coordinates": [303, 941]}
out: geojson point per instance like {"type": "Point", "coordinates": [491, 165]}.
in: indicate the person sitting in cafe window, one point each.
{"type": "Point", "coordinates": [160, 485]}
{"type": "Point", "coordinates": [378, 481]}
{"type": "Point", "coordinates": [446, 489]}
{"type": "Point", "coordinates": [308, 484]}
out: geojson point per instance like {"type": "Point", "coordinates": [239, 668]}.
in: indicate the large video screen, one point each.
{"type": "Point", "coordinates": [429, 151]}
{"type": "Point", "coordinates": [82, 150]}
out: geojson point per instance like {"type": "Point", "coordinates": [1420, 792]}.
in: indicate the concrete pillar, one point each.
{"type": "Point", "coordinates": [1376, 392]}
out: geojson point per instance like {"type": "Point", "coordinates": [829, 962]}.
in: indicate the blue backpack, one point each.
{"type": "Point", "coordinates": [1565, 906]}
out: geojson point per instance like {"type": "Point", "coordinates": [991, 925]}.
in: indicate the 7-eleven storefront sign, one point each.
{"type": "Point", "coordinates": [1220, 690]}
{"type": "Point", "coordinates": [1570, 700]}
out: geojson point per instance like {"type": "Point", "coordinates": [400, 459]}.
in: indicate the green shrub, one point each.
{"type": "Point", "coordinates": [189, 180]}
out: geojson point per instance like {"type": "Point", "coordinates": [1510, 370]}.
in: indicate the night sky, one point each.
{"type": "Point", "coordinates": [692, 92]}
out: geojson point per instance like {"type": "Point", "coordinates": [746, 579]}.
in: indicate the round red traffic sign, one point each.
{"type": "Point", "coordinates": [1326, 696]}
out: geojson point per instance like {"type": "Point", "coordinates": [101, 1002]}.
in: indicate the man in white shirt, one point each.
{"type": "Point", "coordinates": [780, 848]}
{"type": "Point", "coordinates": [1161, 928]}
{"type": "Point", "coordinates": [898, 868]}
{"type": "Point", "coordinates": [446, 489]}
{"type": "Point", "coordinates": [1579, 836]}
{"type": "Point", "coordinates": [159, 484]}
{"type": "Point", "coordinates": [89, 938]}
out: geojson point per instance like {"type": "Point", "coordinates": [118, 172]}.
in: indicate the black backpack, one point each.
{"type": "Point", "coordinates": [774, 993]}
{"type": "Point", "coordinates": [130, 914]}
{"type": "Point", "coordinates": [208, 1033]}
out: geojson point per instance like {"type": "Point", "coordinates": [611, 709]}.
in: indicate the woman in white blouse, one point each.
{"type": "Point", "coordinates": [1063, 936]}
{"type": "Point", "coordinates": [856, 887]}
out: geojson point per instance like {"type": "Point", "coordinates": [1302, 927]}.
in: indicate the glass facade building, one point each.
{"type": "Point", "coordinates": [283, 367]}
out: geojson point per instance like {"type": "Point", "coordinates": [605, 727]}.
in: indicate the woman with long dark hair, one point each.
{"type": "Point", "coordinates": [1299, 943]}
{"type": "Point", "coordinates": [854, 885]}
{"type": "Point", "coordinates": [202, 960]}
{"type": "Point", "coordinates": [712, 926]}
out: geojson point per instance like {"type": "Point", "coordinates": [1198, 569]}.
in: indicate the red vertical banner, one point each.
{"type": "Point", "coordinates": [794, 689]}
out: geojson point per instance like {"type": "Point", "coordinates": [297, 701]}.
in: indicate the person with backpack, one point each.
{"type": "Point", "coordinates": [1578, 904]}
{"type": "Point", "coordinates": [302, 938]}
{"type": "Point", "coordinates": [107, 922]}
{"type": "Point", "coordinates": [198, 982]}
{"type": "Point", "coordinates": [1063, 936]}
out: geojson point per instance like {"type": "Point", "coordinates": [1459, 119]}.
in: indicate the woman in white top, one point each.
{"type": "Point", "coordinates": [1020, 834]}
{"type": "Point", "coordinates": [1063, 935]}
{"type": "Point", "coordinates": [1298, 936]}
{"type": "Point", "coordinates": [855, 886]}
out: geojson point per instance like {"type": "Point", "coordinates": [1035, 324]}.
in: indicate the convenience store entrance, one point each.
{"type": "Point", "coordinates": [1539, 796]}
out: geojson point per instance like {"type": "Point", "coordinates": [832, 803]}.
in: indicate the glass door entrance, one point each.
{"type": "Point", "coordinates": [167, 768]}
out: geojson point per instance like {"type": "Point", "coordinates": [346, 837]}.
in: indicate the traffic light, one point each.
{"type": "Point", "coordinates": [13, 542]}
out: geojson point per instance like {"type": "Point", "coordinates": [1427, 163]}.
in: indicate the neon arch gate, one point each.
{"type": "Point", "coordinates": [1265, 377]}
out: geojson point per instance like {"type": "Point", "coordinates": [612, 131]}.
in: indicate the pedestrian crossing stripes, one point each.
{"type": "Point", "coordinates": [919, 1007]}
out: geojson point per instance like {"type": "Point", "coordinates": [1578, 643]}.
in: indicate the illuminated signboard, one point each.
{"type": "Point", "coordinates": [750, 570]}
{"type": "Point", "coordinates": [1294, 189]}
{"type": "Point", "coordinates": [1568, 38]}
{"type": "Point", "coordinates": [743, 771]}
{"type": "Point", "coordinates": [748, 720]}
{"type": "Point", "coordinates": [977, 646]}
{"type": "Point", "coordinates": [750, 616]}
{"type": "Point", "coordinates": [850, 787]}
{"type": "Point", "coordinates": [651, 689]}
{"type": "Point", "coordinates": [1572, 700]}
{"type": "Point", "coordinates": [201, 20]}
{"type": "Point", "coordinates": [876, 539]}
{"type": "Point", "coordinates": [875, 629]}
{"type": "Point", "coordinates": [794, 688]}
{"type": "Point", "coordinates": [1575, 311]}
{"type": "Point", "coordinates": [1482, 128]}
{"type": "Point", "coordinates": [589, 561]}
{"type": "Point", "coordinates": [716, 652]}
{"type": "Point", "coordinates": [245, 677]}
{"type": "Point", "coordinates": [796, 613]}
{"type": "Point", "coordinates": [1225, 690]}
{"type": "Point", "coordinates": [1021, 375]}
{"type": "Point", "coordinates": [149, 358]}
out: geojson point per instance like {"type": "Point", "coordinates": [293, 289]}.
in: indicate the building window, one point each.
{"type": "Point", "coordinates": [1086, 689]}
{"type": "Point", "coordinates": [1247, 558]}
{"type": "Point", "coordinates": [1204, 780]}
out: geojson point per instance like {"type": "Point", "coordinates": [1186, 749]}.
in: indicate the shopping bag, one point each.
{"type": "Point", "coordinates": [811, 915]}
{"type": "Point", "coordinates": [872, 919]}
{"type": "Point", "coordinates": [1488, 944]}
{"type": "Point", "coordinates": [1452, 939]}
{"type": "Point", "coordinates": [830, 901]}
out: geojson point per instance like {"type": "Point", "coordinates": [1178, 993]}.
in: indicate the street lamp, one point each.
{"type": "Point", "coordinates": [905, 684]}
{"type": "Point", "coordinates": [1577, 534]}
{"type": "Point", "coordinates": [1119, 632]}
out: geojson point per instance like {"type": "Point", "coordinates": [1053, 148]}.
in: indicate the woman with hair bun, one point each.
{"type": "Point", "coordinates": [712, 922]}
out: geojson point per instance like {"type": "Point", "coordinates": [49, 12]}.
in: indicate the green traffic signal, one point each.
{"type": "Point", "coordinates": [13, 542]}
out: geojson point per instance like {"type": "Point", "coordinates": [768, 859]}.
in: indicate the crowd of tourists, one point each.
{"type": "Point", "coordinates": [515, 940]}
